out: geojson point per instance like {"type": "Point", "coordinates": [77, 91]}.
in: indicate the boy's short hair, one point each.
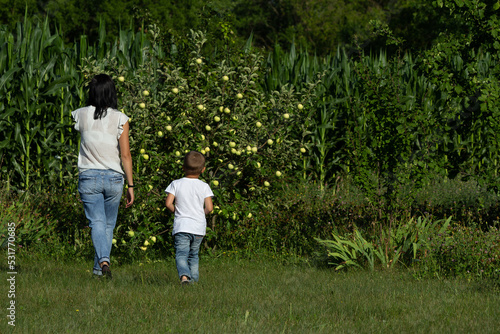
{"type": "Point", "coordinates": [194, 162]}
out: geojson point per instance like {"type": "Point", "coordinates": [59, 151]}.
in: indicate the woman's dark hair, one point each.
{"type": "Point", "coordinates": [102, 95]}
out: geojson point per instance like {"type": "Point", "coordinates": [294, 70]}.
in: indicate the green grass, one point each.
{"type": "Point", "coordinates": [243, 296]}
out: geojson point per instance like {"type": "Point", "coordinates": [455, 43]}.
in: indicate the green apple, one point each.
{"type": "Point", "coordinates": [153, 238]}
{"type": "Point", "coordinates": [232, 144]}
{"type": "Point", "coordinates": [266, 184]}
{"type": "Point", "coordinates": [258, 164]}
{"type": "Point", "coordinates": [217, 118]}
{"type": "Point", "coordinates": [249, 215]}
{"type": "Point", "coordinates": [239, 96]}
{"type": "Point", "coordinates": [142, 105]}
{"type": "Point", "coordinates": [168, 128]}
{"type": "Point", "coordinates": [123, 241]}
{"type": "Point", "coordinates": [207, 149]}
{"type": "Point", "coordinates": [202, 137]}
{"type": "Point", "coordinates": [145, 156]}
{"type": "Point", "coordinates": [142, 151]}
{"type": "Point", "coordinates": [121, 78]}
{"type": "Point", "coordinates": [113, 241]}
{"type": "Point", "coordinates": [258, 124]}
{"type": "Point", "coordinates": [208, 128]}
{"type": "Point", "coordinates": [175, 90]}
{"type": "Point", "coordinates": [230, 166]}
{"type": "Point", "coordinates": [198, 61]}
{"type": "Point", "coordinates": [131, 233]}
{"type": "Point", "coordinates": [233, 150]}
{"type": "Point", "coordinates": [150, 187]}
{"type": "Point", "coordinates": [215, 144]}
{"type": "Point", "coordinates": [177, 153]}
{"type": "Point", "coordinates": [145, 93]}
{"type": "Point", "coordinates": [270, 142]}
{"type": "Point", "coordinates": [251, 188]}
{"type": "Point", "coordinates": [249, 148]}
{"type": "Point", "coordinates": [215, 183]}
{"type": "Point", "coordinates": [160, 134]}
{"type": "Point", "coordinates": [300, 106]}
{"type": "Point", "coordinates": [227, 110]}
{"type": "Point", "coordinates": [146, 243]}
{"type": "Point", "coordinates": [221, 109]}
{"type": "Point", "coordinates": [143, 248]}
{"type": "Point", "coordinates": [303, 150]}
{"type": "Point", "coordinates": [254, 149]}
{"type": "Point", "coordinates": [278, 173]}
{"type": "Point", "coordinates": [200, 107]}
{"type": "Point", "coordinates": [238, 173]}
{"type": "Point", "coordinates": [202, 151]}
{"type": "Point", "coordinates": [225, 78]}
{"type": "Point", "coordinates": [286, 116]}
{"type": "Point", "coordinates": [169, 118]}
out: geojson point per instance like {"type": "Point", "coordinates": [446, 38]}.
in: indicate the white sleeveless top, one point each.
{"type": "Point", "coordinates": [99, 147]}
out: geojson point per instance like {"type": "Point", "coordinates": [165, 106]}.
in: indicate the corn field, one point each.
{"type": "Point", "coordinates": [382, 120]}
{"type": "Point", "coordinates": [40, 84]}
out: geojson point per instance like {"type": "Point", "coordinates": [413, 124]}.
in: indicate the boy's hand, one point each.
{"type": "Point", "coordinates": [209, 206]}
{"type": "Point", "coordinates": [169, 203]}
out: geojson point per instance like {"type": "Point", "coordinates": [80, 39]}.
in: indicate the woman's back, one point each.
{"type": "Point", "coordinates": [99, 148]}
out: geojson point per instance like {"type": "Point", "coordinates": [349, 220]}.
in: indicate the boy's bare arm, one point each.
{"type": "Point", "coordinates": [169, 203]}
{"type": "Point", "coordinates": [209, 206]}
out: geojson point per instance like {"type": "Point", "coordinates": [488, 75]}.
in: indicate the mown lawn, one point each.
{"type": "Point", "coordinates": [243, 296]}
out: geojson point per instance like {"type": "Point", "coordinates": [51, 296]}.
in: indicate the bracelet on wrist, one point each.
{"type": "Point", "coordinates": [131, 185]}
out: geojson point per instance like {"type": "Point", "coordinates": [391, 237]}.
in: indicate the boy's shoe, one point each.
{"type": "Point", "coordinates": [106, 272]}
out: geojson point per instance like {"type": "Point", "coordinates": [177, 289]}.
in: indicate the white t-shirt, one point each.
{"type": "Point", "coordinates": [99, 147]}
{"type": "Point", "coordinates": [190, 197]}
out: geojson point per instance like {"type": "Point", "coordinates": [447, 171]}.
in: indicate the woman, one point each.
{"type": "Point", "coordinates": [104, 135]}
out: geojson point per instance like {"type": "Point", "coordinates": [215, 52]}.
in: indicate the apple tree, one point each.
{"type": "Point", "coordinates": [253, 140]}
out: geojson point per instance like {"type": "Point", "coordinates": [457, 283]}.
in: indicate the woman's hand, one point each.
{"type": "Point", "coordinates": [130, 197]}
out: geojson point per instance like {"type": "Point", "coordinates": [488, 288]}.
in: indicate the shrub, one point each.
{"type": "Point", "coordinates": [29, 223]}
{"type": "Point", "coordinates": [463, 251]}
{"type": "Point", "coordinates": [467, 200]}
{"type": "Point", "coordinates": [400, 244]}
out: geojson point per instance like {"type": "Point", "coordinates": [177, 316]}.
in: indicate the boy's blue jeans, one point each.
{"type": "Point", "coordinates": [101, 192]}
{"type": "Point", "coordinates": [187, 247]}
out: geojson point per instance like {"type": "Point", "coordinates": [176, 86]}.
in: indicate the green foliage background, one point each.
{"type": "Point", "coordinates": [384, 127]}
{"type": "Point", "coordinates": [319, 26]}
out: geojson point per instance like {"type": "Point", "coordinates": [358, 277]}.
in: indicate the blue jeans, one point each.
{"type": "Point", "coordinates": [187, 247]}
{"type": "Point", "coordinates": [101, 192]}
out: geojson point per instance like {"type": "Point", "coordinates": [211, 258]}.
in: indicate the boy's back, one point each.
{"type": "Point", "coordinates": [190, 194]}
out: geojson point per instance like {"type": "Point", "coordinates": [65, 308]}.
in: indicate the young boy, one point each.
{"type": "Point", "coordinates": [193, 200]}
